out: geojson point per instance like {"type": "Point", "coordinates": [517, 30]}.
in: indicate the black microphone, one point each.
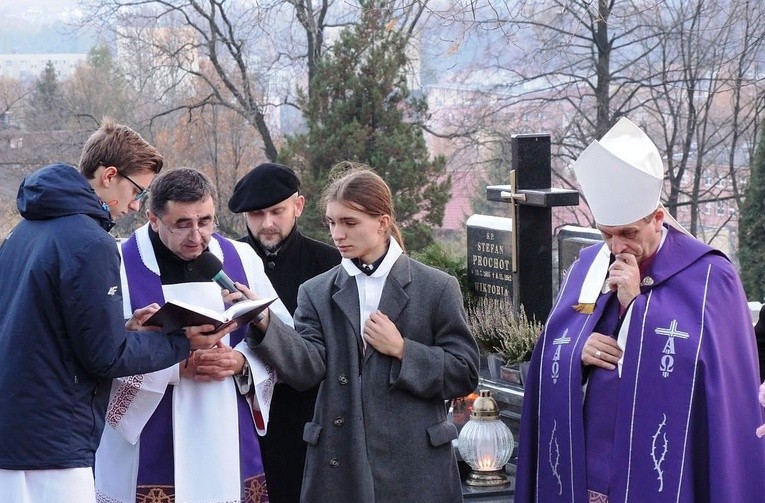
{"type": "Point", "coordinates": [211, 268]}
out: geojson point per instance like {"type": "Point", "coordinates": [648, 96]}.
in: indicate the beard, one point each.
{"type": "Point", "coordinates": [272, 238]}
{"type": "Point", "coordinates": [271, 242]}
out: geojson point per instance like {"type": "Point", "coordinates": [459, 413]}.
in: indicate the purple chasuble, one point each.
{"type": "Point", "coordinates": [600, 406]}
{"type": "Point", "coordinates": [683, 410]}
{"type": "Point", "coordinates": [156, 466]}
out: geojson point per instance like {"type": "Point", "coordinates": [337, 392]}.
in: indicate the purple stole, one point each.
{"type": "Point", "coordinates": [672, 418]}
{"type": "Point", "coordinates": [600, 406]}
{"type": "Point", "coordinates": [156, 466]}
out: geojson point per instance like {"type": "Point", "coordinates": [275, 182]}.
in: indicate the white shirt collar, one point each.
{"type": "Point", "coordinates": [393, 253]}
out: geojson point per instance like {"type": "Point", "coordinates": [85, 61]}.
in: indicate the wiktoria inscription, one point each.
{"type": "Point", "coordinates": [490, 263]}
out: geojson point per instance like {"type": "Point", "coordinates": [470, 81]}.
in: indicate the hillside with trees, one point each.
{"type": "Point", "coordinates": [225, 85]}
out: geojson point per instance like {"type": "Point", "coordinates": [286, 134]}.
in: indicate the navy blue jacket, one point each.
{"type": "Point", "coordinates": [62, 331]}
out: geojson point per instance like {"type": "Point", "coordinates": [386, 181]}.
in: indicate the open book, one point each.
{"type": "Point", "coordinates": [176, 314]}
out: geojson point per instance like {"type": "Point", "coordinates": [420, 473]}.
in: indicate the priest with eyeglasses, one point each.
{"type": "Point", "coordinates": [189, 432]}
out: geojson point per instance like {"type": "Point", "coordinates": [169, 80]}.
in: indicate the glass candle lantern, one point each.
{"type": "Point", "coordinates": [486, 443]}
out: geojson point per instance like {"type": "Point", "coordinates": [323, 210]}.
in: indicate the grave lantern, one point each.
{"type": "Point", "coordinates": [486, 443]}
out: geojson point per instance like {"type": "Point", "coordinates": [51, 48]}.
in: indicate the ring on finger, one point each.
{"type": "Point", "coordinates": [598, 353]}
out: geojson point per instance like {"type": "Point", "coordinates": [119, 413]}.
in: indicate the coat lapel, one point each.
{"type": "Point", "coordinates": [392, 302]}
{"type": "Point", "coordinates": [347, 300]}
{"type": "Point", "coordinates": [394, 297]}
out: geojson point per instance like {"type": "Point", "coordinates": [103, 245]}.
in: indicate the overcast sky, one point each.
{"type": "Point", "coordinates": [41, 26]}
{"type": "Point", "coordinates": [40, 4]}
{"type": "Point", "coordinates": [46, 10]}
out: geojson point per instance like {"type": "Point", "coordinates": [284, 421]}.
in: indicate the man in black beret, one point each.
{"type": "Point", "coordinates": [270, 198]}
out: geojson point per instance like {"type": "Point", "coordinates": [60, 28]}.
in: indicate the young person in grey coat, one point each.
{"type": "Point", "coordinates": [386, 337]}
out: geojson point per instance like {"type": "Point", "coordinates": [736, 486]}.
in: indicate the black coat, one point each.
{"type": "Point", "coordinates": [299, 259]}
{"type": "Point", "coordinates": [283, 449]}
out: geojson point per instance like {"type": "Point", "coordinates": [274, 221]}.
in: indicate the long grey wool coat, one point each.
{"type": "Point", "coordinates": [379, 431]}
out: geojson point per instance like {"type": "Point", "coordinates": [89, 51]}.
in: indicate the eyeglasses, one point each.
{"type": "Point", "coordinates": [142, 192]}
{"type": "Point", "coordinates": [186, 228]}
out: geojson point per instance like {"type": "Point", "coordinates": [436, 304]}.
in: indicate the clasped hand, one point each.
{"type": "Point", "coordinates": [214, 364]}
{"type": "Point", "coordinates": [382, 334]}
{"type": "Point", "coordinates": [602, 351]}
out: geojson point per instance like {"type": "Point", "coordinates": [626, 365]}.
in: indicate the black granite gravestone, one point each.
{"type": "Point", "coordinates": [532, 198]}
{"type": "Point", "coordinates": [571, 239]}
{"type": "Point", "coordinates": [490, 243]}
{"type": "Point", "coordinates": [511, 258]}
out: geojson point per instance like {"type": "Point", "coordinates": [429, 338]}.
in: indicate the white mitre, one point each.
{"type": "Point", "coordinates": [621, 176]}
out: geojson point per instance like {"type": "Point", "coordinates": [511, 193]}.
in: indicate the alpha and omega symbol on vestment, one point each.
{"type": "Point", "coordinates": [667, 363]}
{"type": "Point", "coordinates": [555, 370]}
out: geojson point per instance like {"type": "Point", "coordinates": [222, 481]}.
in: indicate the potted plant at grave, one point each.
{"type": "Point", "coordinates": [485, 317]}
{"type": "Point", "coordinates": [502, 329]}
{"type": "Point", "coordinates": [516, 347]}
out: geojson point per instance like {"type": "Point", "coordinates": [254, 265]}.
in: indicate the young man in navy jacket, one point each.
{"type": "Point", "coordinates": [62, 332]}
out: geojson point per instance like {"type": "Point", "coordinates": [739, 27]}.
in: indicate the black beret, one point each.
{"type": "Point", "coordinates": [266, 185]}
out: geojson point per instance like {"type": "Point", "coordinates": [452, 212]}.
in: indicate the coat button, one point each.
{"type": "Point", "coordinates": [334, 463]}
{"type": "Point", "coordinates": [342, 379]}
{"type": "Point", "coordinates": [339, 421]}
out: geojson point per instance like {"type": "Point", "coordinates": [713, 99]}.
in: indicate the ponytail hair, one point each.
{"type": "Point", "coordinates": [357, 186]}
